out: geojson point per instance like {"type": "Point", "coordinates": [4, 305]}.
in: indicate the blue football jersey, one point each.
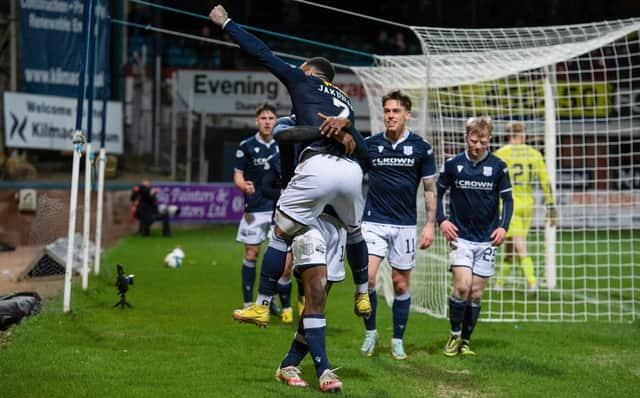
{"type": "Point", "coordinates": [394, 175]}
{"type": "Point", "coordinates": [272, 178]}
{"type": "Point", "coordinates": [309, 94]}
{"type": "Point", "coordinates": [251, 157]}
{"type": "Point", "coordinates": [476, 188]}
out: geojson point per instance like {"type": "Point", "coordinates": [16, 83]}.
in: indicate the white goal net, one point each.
{"type": "Point", "coordinates": [577, 90]}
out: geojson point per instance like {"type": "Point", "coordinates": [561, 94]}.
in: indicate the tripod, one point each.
{"type": "Point", "coordinates": [123, 302]}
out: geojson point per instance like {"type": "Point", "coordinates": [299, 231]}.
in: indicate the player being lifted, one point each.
{"type": "Point", "coordinates": [399, 160]}
{"type": "Point", "coordinates": [474, 226]}
{"type": "Point", "coordinates": [325, 177]}
{"type": "Point", "coordinates": [525, 167]}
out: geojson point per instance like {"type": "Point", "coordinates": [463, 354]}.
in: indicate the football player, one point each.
{"type": "Point", "coordinates": [399, 161]}
{"type": "Point", "coordinates": [474, 226]}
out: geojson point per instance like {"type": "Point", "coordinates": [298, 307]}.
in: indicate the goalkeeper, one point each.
{"type": "Point", "coordinates": [526, 166]}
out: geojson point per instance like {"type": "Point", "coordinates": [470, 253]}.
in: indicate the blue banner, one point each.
{"type": "Point", "coordinates": [51, 46]}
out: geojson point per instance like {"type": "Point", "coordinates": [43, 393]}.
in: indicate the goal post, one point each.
{"type": "Point", "coordinates": [575, 89]}
{"type": "Point", "coordinates": [550, 143]}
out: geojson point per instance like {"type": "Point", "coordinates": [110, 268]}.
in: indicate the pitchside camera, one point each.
{"type": "Point", "coordinates": [122, 283]}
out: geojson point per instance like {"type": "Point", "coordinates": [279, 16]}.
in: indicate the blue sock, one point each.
{"type": "Point", "coordinates": [401, 305]}
{"type": "Point", "coordinates": [297, 351]}
{"type": "Point", "coordinates": [457, 308]}
{"type": "Point", "coordinates": [315, 333]}
{"type": "Point", "coordinates": [358, 258]}
{"type": "Point", "coordinates": [248, 280]}
{"type": "Point", "coordinates": [471, 315]}
{"type": "Point", "coordinates": [284, 291]}
{"type": "Point", "coordinates": [370, 321]}
{"type": "Point", "coordinates": [272, 266]}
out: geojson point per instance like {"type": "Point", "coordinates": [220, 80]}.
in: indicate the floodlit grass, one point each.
{"type": "Point", "coordinates": [179, 340]}
{"type": "Point", "coordinates": [598, 278]}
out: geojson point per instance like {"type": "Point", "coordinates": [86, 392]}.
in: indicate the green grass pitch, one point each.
{"type": "Point", "coordinates": [179, 340]}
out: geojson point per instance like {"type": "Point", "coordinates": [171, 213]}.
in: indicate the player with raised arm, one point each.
{"type": "Point", "coordinates": [399, 161]}
{"type": "Point", "coordinates": [313, 96]}
{"type": "Point", "coordinates": [526, 167]}
{"type": "Point", "coordinates": [325, 178]}
{"type": "Point", "coordinates": [474, 226]}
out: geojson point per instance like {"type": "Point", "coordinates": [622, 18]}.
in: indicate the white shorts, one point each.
{"type": "Point", "coordinates": [323, 244]}
{"type": "Point", "coordinates": [396, 242]}
{"type": "Point", "coordinates": [479, 256]}
{"type": "Point", "coordinates": [255, 232]}
{"type": "Point", "coordinates": [322, 180]}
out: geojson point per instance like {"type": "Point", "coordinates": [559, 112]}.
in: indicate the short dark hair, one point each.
{"type": "Point", "coordinates": [323, 66]}
{"type": "Point", "coordinates": [398, 95]}
{"type": "Point", "coordinates": [265, 107]}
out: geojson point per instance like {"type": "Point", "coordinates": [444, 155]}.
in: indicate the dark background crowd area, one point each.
{"type": "Point", "coordinates": [347, 31]}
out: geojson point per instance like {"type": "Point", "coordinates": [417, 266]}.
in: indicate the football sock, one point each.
{"type": "Point", "coordinates": [471, 314]}
{"type": "Point", "coordinates": [248, 280]}
{"type": "Point", "coordinates": [284, 291]}
{"type": "Point", "coordinates": [273, 263]}
{"type": "Point", "coordinates": [456, 313]}
{"type": "Point", "coordinates": [315, 334]}
{"type": "Point", "coordinates": [400, 310]}
{"type": "Point", "coordinates": [370, 321]}
{"type": "Point", "coordinates": [527, 268]}
{"type": "Point", "coordinates": [298, 349]}
{"type": "Point", "coordinates": [358, 258]}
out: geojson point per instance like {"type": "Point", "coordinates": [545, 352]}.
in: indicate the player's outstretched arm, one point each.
{"type": "Point", "coordinates": [255, 47]}
{"type": "Point", "coordinates": [218, 15]}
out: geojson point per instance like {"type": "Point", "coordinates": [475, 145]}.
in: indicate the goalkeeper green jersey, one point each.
{"type": "Point", "coordinates": [526, 166]}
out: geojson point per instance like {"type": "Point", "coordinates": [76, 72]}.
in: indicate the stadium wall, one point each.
{"type": "Point", "coordinates": [50, 219]}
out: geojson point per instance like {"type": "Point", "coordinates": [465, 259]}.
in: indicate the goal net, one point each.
{"type": "Point", "coordinates": [577, 90]}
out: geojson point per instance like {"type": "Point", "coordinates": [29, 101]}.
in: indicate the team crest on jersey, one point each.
{"type": "Point", "coordinates": [459, 168]}
{"type": "Point", "coordinates": [487, 171]}
{"type": "Point", "coordinates": [308, 249]}
{"type": "Point", "coordinates": [257, 149]}
{"type": "Point", "coordinates": [239, 153]}
{"type": "Point", "coordinates": [380, 148]}
{"type": "Point", "coordinates": [408, 150]}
